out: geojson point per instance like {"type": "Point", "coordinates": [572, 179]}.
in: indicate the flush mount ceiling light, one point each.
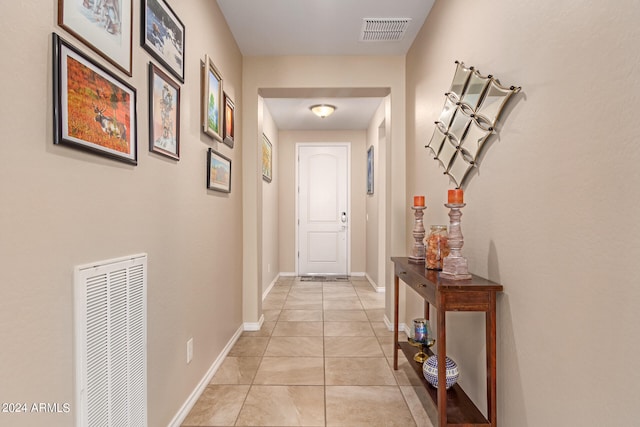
{"type": "Point", "coordinates": [323, 110]}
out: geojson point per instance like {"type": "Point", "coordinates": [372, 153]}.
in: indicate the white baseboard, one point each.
{"type": "Point", "coordinates": [402, 327]}
{"type": "Point", "coordinates": [288, 274]}
{"type": "Point", "coordinates": [195, 394]}
{"type": "Point", "coordinates": [358, 274]}
{"type": "Point", "coordinates": [271, 285]}
{"type": "Point", "coordinates": [379, 289]}
{"type": "Point", "coordinates": [253, 326]}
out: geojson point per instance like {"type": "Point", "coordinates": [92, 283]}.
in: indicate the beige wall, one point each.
{"type": "Point", "coordinates": [375, 203]}
{"type": "Point", "coordinates": [61, 207]}
{"type": "Point", "coordinates": [357, 192]}
{"type": "Point", "coordinates": [271, 207]}
{"type": "Point", "coordinates": [543, 215]}
{"type": "Point", "coordinates": [552, 213]}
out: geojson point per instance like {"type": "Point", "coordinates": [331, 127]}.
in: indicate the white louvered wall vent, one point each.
{"type": "Point", "coordinates": [111, 342]}
{"type": "Point", "coordinates": [384, 29]}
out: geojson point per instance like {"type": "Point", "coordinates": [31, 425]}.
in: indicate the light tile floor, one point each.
{"type": "Point", "coordinates": [323, 357]}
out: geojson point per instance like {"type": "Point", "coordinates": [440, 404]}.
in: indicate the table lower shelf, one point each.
{"type": "Point", "coordinates": [460, 408]}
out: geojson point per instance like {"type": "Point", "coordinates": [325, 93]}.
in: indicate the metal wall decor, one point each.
{"type": "Point", "coordinates": [469, 116]}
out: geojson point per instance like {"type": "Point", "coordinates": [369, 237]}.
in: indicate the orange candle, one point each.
{"type": "Point", "coordinates": [456, 196]}
{"type": "Point", "coordinates": [418, 200]}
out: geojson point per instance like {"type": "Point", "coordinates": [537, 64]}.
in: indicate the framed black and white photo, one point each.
{"type": "Point", "coordinates": [104, 26]}
{"type": "Point", "coordinates": [163, 36]}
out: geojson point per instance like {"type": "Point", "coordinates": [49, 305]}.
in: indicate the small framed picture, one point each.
{"type": "Point", "coordinates": [93, 109]}
{"type": "Point", "coordinates": [218, 172]}
{"type": "Point", "coordinates": [104, 26]}
{"type": "Point", "coordinates": [370, 170]}
{"type": "Point", "coordinates": [211, 100]}
{"type": "Point", "coordinates": [267, 159]}
{"type": "Point", "coordinates": [163, 35]}
{"type": "Point", "coordinates": [229, 121]}
{"type": "Point", "coordinates": [164, 114]}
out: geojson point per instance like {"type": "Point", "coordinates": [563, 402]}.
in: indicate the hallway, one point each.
{"type": "Point", "coordinates": [322, 358]}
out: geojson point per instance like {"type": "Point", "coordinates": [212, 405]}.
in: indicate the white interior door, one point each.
{"type": "Point", "coordinates": [323, 211]}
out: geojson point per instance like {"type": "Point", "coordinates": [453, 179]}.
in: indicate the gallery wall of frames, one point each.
{"type": "Point", "coordinates": [95, 107]}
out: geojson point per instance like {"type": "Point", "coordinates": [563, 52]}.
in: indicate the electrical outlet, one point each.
{"type": "Point", "coordinates": [268, 268]}
{"type": "Point", "coordinates": [189, 350]}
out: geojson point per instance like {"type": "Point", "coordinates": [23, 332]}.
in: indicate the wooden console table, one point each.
{"type": "Point", "coordinates": [455, 408]}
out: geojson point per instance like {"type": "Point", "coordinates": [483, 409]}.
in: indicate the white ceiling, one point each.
{"type": "Point", "coordinates": [294, 113]}
{"type": "Point", "coordinates": [319, 27]}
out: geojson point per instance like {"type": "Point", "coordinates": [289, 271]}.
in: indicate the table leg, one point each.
{"type": "Point", "coordinates": [441, 343]}
{"type": "Point", "coordinates": [396, 286]}
{"type": "Point", "coordinates": [490, 332]}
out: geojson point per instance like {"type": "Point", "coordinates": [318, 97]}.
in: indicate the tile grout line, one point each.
{"type": "Point", "coordinates": [324, 360]}
{"type": "Point", "coordinates": [253, 379]}
{"type": "Point", "coordinates": [292, 291]}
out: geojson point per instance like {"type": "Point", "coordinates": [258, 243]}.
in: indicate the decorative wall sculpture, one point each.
{"type": "Point", "coordinates": [469, 116]}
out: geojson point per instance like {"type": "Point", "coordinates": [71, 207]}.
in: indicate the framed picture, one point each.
{"type": "Point", "coordinates": [93, 109]}
{"type": "Point", "coordinates": [370, 170]}
{"type": "Point", "coordinates": [229, 121]}
{"type": "Point", "coordinates": [163, 35]}
{"type": "Point", "coordinates": [104, 26]}
{"type": "Point", "coordinates": [267, 159]}
{"type": "Point", "coordinates": [218, 172]}
{"type": "Point", "coordinates": [164, 114]}
{"type": "Point", "coordinates": [211, 100]}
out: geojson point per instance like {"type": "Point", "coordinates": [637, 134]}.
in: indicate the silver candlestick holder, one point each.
{"type": "Point", "coordinates": [417, 251]}
{"type": "Point", "coordinates": [454, 265]}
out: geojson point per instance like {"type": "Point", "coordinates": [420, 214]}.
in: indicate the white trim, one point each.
{"type": "Point", "coordinates": [254, 326]}
{"type": "Point", "coordinates": [379, 289]}
{"type": "Point", "coordinates": [388, 322]}
{"type": "Point", "coordinates": [195, 394]}
{"type": "Point", "coordinates": [358, 274]}
{"type": "Point", "coordinates": [288, 274]}
{"type": "Point", "coordinates": [402, 327]}
{"type": "Point", "coordinates": [266, 292]}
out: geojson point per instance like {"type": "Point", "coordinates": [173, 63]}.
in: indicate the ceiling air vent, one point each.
{"type": "Point", "coordinates": [384, 29]}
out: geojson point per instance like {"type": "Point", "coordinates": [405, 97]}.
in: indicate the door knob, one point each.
{"type": "Point", "coordinates": [343, 217]}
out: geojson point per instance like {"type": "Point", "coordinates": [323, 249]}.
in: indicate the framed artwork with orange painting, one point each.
{"type": "Point", "coordinates": [228, 121]}
{"type": "Point", "coordinates": [93, 110]}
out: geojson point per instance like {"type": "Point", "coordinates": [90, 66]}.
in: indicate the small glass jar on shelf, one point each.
{"type": "Point", "coordinates": [437, 247]}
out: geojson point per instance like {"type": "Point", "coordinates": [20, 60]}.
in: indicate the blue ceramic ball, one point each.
{"type": "Point", "coordinates": [430, 371]}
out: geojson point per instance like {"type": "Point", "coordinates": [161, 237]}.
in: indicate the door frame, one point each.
{"type": "Point", "coordinates": [297, 198]}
